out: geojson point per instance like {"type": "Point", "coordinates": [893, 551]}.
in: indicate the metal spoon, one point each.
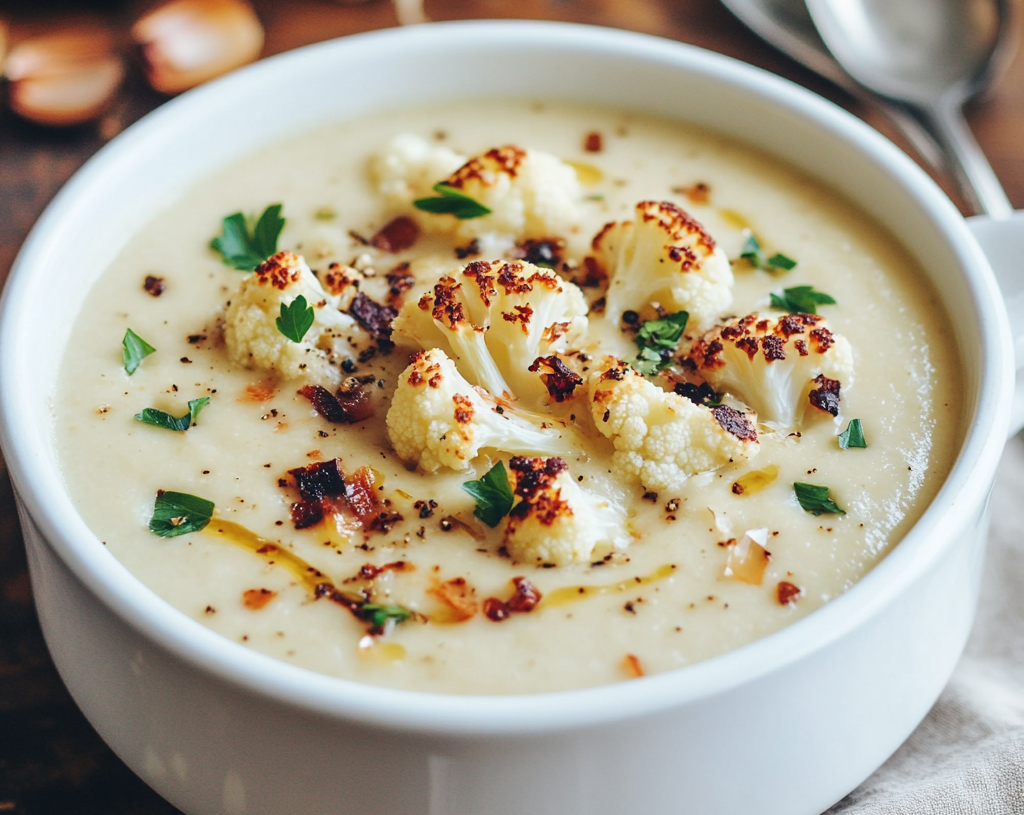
{"type": "Point", "coordinates": [929, 57]}
{"type": "Point", "coordinates": [788, 26]}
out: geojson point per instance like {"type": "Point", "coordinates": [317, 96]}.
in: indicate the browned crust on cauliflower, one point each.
{"type": "Point", "coordinates": [508, 159]}
{"type": "Point", "coordinates": [278, 270]}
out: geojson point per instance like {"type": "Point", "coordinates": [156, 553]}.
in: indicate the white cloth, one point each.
{"type": "Point", "coordinates": [967, 756]}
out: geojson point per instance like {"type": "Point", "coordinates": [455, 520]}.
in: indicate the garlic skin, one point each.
{"type": "Point", "coordinates": [66, 77]}
{"type": "Point", "coordinates": [186, 42]}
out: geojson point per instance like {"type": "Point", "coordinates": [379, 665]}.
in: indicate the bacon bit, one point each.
{"type": "Point", "coordinates": [347, 407]}
{"type": "Point", "coordinates": [540, 251]}
{"type": "Point", "coordinates": [496, 610]}
{"type": "Point", "coordinates": [325, 479]}
{"type": "Point", "coordinates": [525, 597]}
{"type": "Point", "coordinates": [593, 143]}
{"type": "Point", "coordinates": [372, 316]}
{"type": "Point", "coordinates": [154, 285]}
{"type": "Point", "coordinates": [631, 665]}
{"type": "Point", "coordinates": [305, 514]}
{"type": "Point", "coordinates": [826, 396]}
{"type": "Point", "coordinates": [399, 282]}
{"type": "Point", "coordinates": [556, 376]}
{"type": "Point", "coordinates": [787, 593]}
{"type": "Point", "coordinates": [397, 235]}
{"type": "Point", "coordinates": [734, 422]}
{"type": "Point", "coordinates": [255, 599]}
{"type": "Point", "coordinates": [362, 496]}
{"type": "Point", "coordinates": [259, 392]}
{"type": "Point", "coordinates": [459, 596]}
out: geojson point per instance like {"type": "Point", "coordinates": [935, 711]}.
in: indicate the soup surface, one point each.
{"type": "Point", "coordinates": [688, 587]}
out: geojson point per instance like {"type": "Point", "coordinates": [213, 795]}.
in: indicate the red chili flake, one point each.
{"type": "Point", "coordinates": [259, 392]}
{"type": "Point", "coordinates": [397, 235]}
{"type": "Point", "coordinates": [496, 610]}
{"type": "Point", "coordinates": [826, 396]}
{"type": "Point", "coordinates": [556, 376]}
{"type": "Point", "coordinates": [255, 599]}
{"type": "Point", "coordinates": [372, 316]}
{"type": "Point", "coordinates": [698, 193]}
{"type": "Point", "coordinates": [734, 422]}
{"type": "Point", "coordinates": [346, 407]}
{"type": "Point", "coordinates": [593, 143]}
{"type": "Point", "coordinates": [632, 666]}
{"type": "Point", "coordinates": [525, 597]}
{"type": "Point", "coordinates": [787, 593]}
{"type": "Point", "coordinates": [154, 285]}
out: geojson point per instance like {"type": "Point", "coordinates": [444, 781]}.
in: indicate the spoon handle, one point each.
{"type": "Point", "coordinates": [965, 160]}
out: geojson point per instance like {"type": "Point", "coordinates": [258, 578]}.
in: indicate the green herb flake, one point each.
{"type": "Point", "coordinates": [296, 319]}
{"type": "Point", "coordinates": [325, 214]}
{"type": "Point", "coordinates": [158, 418]}
{"type": "Point", "coordinates": [816, 500]}
{"type": "Point", "coordinates": [452, 202]}
{"type": "Point", "coordinates": [133, 350]}
{"type": "Point", "coordinates": [378, 615]}
{"type": "Point", "coordinates": [656, 340]}
{"type": "Point", "coordinates": [493, 495]}
{"type": "Point", "coordinates": [178, 513]}
{"type": "Point", "coordinates": [245, 250]}
{"type": "Point", "coordinates": [853, 436]}
{"type": "Point", "coordinates": [801, 300]}
{"type": "Point", "coordinates": [753, 254]}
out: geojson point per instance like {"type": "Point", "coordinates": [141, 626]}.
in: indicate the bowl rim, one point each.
{"type": "Point", "coordinates": [405, 710]}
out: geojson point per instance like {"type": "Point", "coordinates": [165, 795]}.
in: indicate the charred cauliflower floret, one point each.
{"type": "Point", "coordinates": [665, 256]}
{"type": "Point", "coordinates": [557, 521]}
{"type": "Point", "coordinates": [342, 282]}
{"type": "Point", "coordinates": [530, 194]}
{"type": "Point", "coordinates": [495, 319]}
{"type": "Point", "coordinates": [778, 366]}
{"type": "Point", "coordinates": [662, 438]}
{"type": "Point", "coordinates": [437, 419]}
{"type": "Point", "coordinates": [250, 324]}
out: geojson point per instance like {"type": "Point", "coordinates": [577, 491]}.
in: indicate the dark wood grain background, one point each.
{"type": "Point", "coordinates": [51, 760]}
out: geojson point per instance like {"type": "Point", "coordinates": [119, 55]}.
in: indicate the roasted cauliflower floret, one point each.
{"type": "Point", "coordinates": [342, 282]}
{"type": "Point", "coordinates": [496, 319]}
{"type": "Point", "coordinates": [664, 256]}
{"type": "Point", "coordinates": [662, 438]}
{"type": "Point", "coordinates": [557, 521]}
{"type": "Point", "coordinates": [437, 419]}
{"type": "Point", "coordinates": [778, 366]}
{"type": "Point", "coordinates": [530, 194]}
{"type": "Point", "coordinates": [250, 324]}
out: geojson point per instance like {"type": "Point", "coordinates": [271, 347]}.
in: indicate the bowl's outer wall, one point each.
{"type": "Point", "coordinates": [790, 743]}
{"type": "Point", "coordinates": [791, 722]}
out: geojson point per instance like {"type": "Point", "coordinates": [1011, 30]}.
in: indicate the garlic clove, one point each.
{"type": "Point", "coordinates": [65, 77]}
{"type": "Point", "coordinates": [186, 42]}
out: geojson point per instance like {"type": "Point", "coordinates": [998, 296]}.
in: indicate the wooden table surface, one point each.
{"type": "Point", "coordinates": [51, 760]}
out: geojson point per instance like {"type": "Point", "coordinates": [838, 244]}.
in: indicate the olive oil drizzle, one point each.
{"type": "Point", "coordinates": [573, 594]}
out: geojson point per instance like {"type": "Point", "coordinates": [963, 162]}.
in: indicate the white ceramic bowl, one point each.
{"type": "Point", "coordinates": [786, 725]}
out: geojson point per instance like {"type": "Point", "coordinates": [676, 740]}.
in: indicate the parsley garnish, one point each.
{"type": "Point", "coordinates": [133, 350]}
{"type": "Point", "coordinates": [754, 255]}
{"type": "Point", "coordinates": [452, 202]}
{"type": "Point", "coordinates": [296, 319]}
{"type": "Point", "coordinates": [493, 495]}
{"type": "Point", "coordinates": [657, 339]}
{"type": "Point", "coordinates": [158, 418]}
{"type": "Point", "coordinates": [178, 513]}
{"type": "Point", "coordinates": [325, 214]}
{"type": "Point", "coordinates": [246, 250]}
{"type": "Point", "coordinates": [853, 436]}
{"type": "Point", "coordinates": [816, 500]}
{"type": "Point", "coordinates": [378, 615]}
{"type": "Point", "coordinates": [801, 300]}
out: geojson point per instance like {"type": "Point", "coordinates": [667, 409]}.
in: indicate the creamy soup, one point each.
{"type": "Point", "coordinates": [690, 585]}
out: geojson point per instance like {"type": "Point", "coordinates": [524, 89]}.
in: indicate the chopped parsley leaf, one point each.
{"type": "Point", "coordinates": [853, 436]}
{"type": "Point", "coordinates": [816, 500]}
{"type": "Point", "coordinates": [377, 615]}
{"type": "Point", "coordinates": [158, 418]}
{"type": "Point", "coordinates": [246, 250]}
{"type": "Point", "coordinates": [134, 350]}
{"type": "Point", "coordinates": [801, 300]}
{"type": "Point", "coordinates": [452, 202]}
{"type": "Point", "coordinates": [296, 319]}
{"type": "Point", "coordinates": [656, 340]}
{"type": "Point", "coordinates": [754, 255]}
{"type": "Point", "coordinates": [178, 513]}
{"type": "Point", "coordinates": [493, 495]}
